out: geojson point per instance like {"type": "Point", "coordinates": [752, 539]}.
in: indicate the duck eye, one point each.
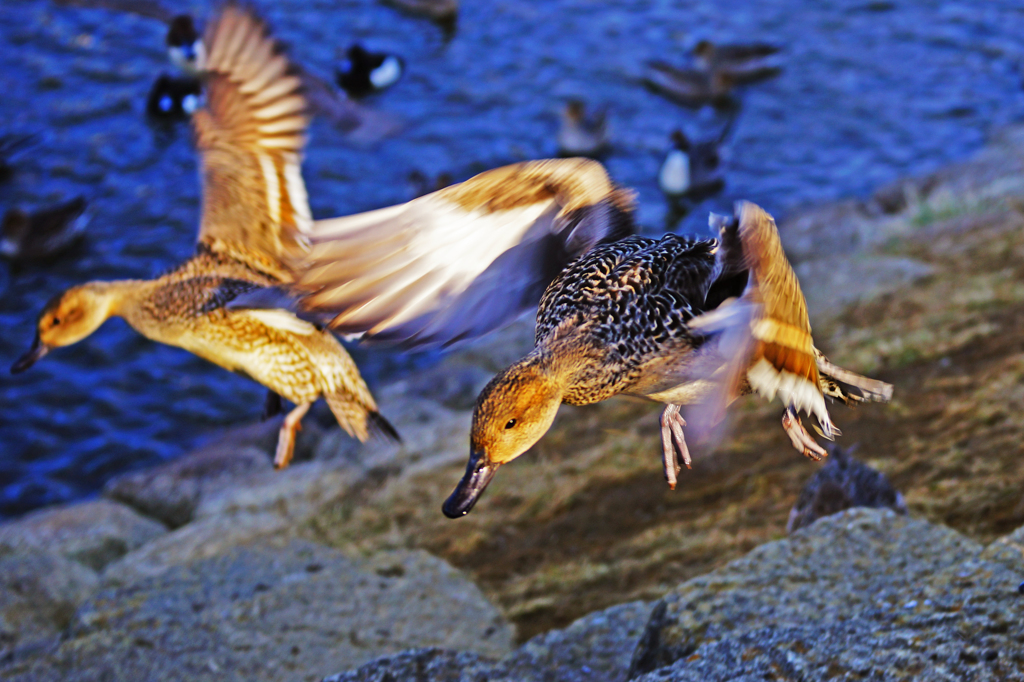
{"type": "Point", "coordinates": [56, 321]}
{"type": "Point", "coordinates": [511, 423]}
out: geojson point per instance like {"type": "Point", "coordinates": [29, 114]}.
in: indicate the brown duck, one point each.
{"type": "Point", "coordinates": [255, 211]}
{"type": "Point", "coordinates": [675, 320]}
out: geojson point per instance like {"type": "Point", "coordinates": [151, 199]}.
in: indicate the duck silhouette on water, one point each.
{"type": "Point", "coordinates": [255, 213]}
{"type": "Point", "coordinates": [676, 320]}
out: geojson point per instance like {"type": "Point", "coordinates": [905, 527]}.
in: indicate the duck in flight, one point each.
{"type": "Point", "coordinates": [679, 321]}
{"type": "Point", "coordinates": [255, 212]}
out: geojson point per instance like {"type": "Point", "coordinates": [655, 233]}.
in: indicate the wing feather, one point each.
{"type": "Point", "coordinates": [455, 264]}
{"type": "Point", "coordinates": [250, 136]}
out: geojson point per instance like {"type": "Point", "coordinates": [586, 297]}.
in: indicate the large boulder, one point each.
{"type": "Point", "coordinates": [171, 492]}
{"type": "Point", "coordinates": [863, 594]}
{"type": "Point", "coordinates": [92, 533]}
{"type": "Point", "coordinates": [282, 609]}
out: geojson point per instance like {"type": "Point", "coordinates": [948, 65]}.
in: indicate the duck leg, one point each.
{"type": "Point", "coordinates": [802, 440]}
{"type": "Point", "coordinates": [286, 437]}
{"type": "Point", "coordinates": [674, 450]}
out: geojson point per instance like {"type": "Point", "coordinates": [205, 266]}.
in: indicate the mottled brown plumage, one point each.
{"type": "Point", "coordinates": [255, 213]}
{"type": "Point", "coordinates": [676, 320]}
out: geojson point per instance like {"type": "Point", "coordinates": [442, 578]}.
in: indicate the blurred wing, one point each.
{"type": "Point", "coordinates": [462, 261]}
{"type": "Point", "coordinates": [250, 137]}
{"type": "Point", "coordinates": [767, 332]}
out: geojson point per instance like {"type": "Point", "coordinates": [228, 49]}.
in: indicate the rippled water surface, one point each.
{"type": "Point", "coordinates": [871, 91]}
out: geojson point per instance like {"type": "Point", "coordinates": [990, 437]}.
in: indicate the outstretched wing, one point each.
{"type": "Point", "coordinates": [462, 261]}
{"type": "Point", "coordinates": [250, 136]}
{"type": "Point", "coordinates": [766, 332]}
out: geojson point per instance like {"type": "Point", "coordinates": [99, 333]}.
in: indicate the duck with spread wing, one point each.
{"type": "Point", "coordinates": [677, 320]}
{"type": "Point", "coordinates": [250, 137]}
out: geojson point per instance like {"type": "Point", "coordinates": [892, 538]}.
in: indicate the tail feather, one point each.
{"type": "Point", "coordinates": [850, 387]}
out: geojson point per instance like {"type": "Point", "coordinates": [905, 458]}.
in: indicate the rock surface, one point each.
{"type": "Point", "coordinates": [285, 610]}
{"type": "Point", "coordinates": [92, 533]}
{"type": "Point", "coordinates": [39, 592]}
{"type": "Point", "coordinates": [596, 647]}
{"type": "Point", "coordinates": [171, 492]}
{"type": "Point", "coordinates": [864, 594]}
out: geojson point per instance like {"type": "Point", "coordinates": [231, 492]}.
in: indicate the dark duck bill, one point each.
{"type": "Point", "coordinates": [479, 473]}
{"type": "Point", "coordinates": [34, 354]}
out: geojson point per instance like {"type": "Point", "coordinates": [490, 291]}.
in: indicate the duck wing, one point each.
{"type": "Point", "coordinates": [766, 331]}
{"type": "Point", "coordinates": [457, 263]}
{"type": "Point", "coordinates": [250, 137]}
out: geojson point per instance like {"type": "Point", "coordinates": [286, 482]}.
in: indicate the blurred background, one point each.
{"type": "Point", "coordinates": [869, 91]}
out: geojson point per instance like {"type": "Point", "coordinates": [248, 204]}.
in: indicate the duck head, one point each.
{"type": "Point", "coordinates": [67, 319]}
{"type": "Point", "coordinates": [184, 45]}
{"type": "Point", "coordinates": [512, 413]}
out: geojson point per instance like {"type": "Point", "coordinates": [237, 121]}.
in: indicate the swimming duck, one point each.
{"type": "Point", "coordinates": [185, 47]}
{"type": "Point", "coordinates": [174, 98]}
{"type": "Point", "coordinates": [11, 145]}
{"type": "Point", "coordinates": [691, 170]}
{"type": "Point", "coordinates": [186, 51]}
{"type": "Point", "coordinates": [255, 212]}
{"type": "Point", "coordinates": [676, 320]}
{"type": "Point", "coordinates": [44, 233]}
{"type": "Point", "coordinates": [843, 483]}
{"type": "Point", "coordinates": [363, 72]}
{"type": "Point", "coordinates": [582, 135]}
{"type": "Point", "coordinates": [712, 57]}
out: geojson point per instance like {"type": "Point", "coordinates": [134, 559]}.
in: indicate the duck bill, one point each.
{"type": "Point", "coordinates": [479, 473]}
{"type": "Point", "coordinates": [37, 351]}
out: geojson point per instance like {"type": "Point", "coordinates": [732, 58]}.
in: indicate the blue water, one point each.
{"type": "Point", "coordinates": [871, 91]}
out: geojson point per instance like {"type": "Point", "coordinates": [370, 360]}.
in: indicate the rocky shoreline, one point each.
{"type": "Point", "coordinates": [215, 566]}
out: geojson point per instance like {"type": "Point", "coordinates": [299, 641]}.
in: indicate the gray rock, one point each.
{"type": "Point", "coordinates": [842, 483]}
{"type": "Point", "coordinates": [93, 533]}
{"type": "Point", "coordinates": [595, 647]}
{"type": "Point", "coordinates": [428, 665]}
{"type": "Point", "coordinates": [202, 539]}
{"type": "Point", "coordinates": [171, 492]}
{"type": "Point", "coordinates": [1008, 550]}
{"type": "Point", "coordinates": [295, 493]}
{"type": "Point", "coordinates": [863, 594]}
{"type": "Point", "coordinates": [39, 592]}
{"type": "Point", "coordinates": [285, 609]}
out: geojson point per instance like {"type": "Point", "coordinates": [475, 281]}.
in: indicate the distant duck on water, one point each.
{"type": "Point", "coordinates": [363, 72]}
{"type": "Point", "coordinates": [174, 97]}
{"type": "Point", "coordinates": [580, 134]}
{"type": "Point", "coordinates": [693, 170]}
{"type": "Point", "coordinates": [44, 233]}
{"type": "Point", "coordinates": [255, 213]}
